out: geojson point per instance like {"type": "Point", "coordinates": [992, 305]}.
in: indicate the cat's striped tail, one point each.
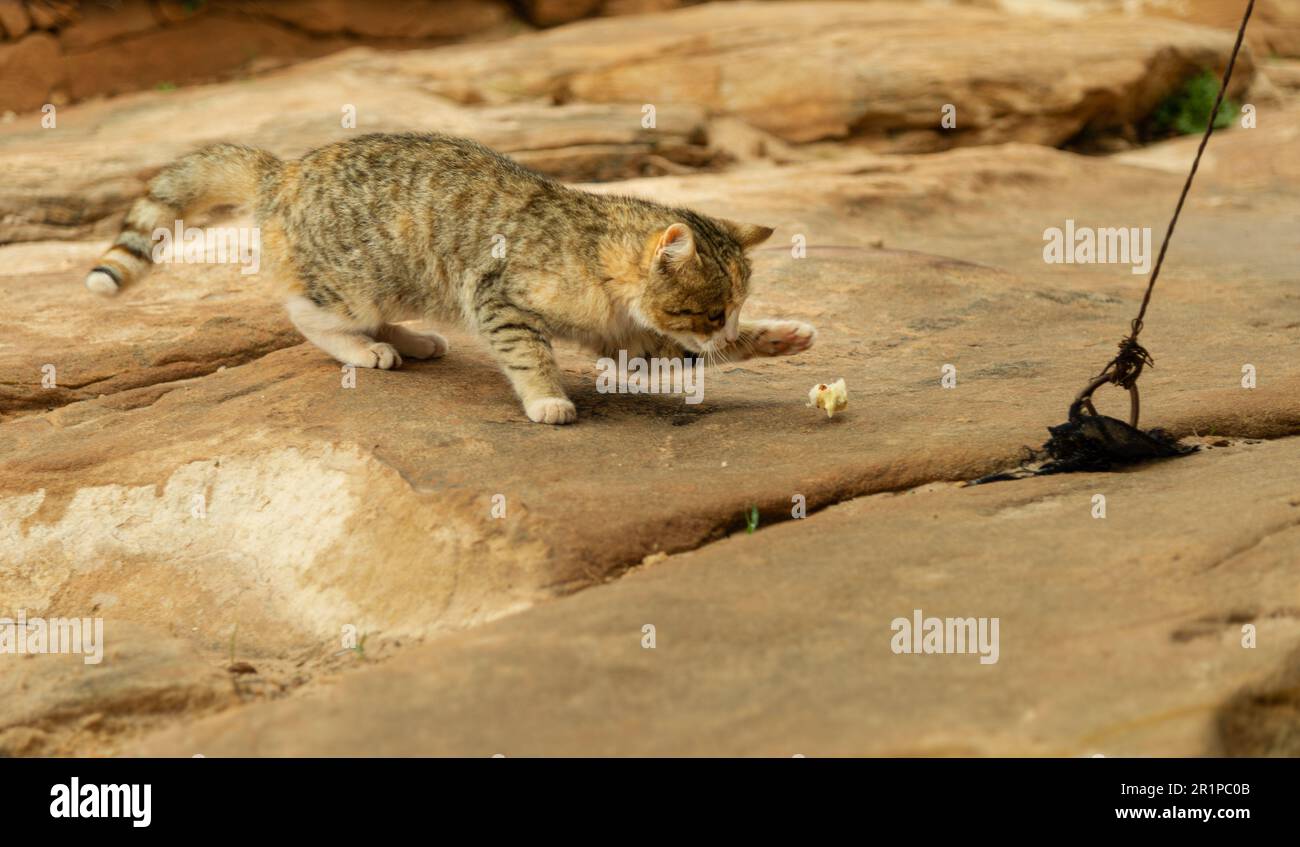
{"type": "Point", "coordinates": [215, 175]}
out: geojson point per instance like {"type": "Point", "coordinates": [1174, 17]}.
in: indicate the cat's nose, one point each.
{"type": "Point", "coordinates": [732, 330]}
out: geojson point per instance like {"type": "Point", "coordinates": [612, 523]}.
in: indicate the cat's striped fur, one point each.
{"type": "Point", "coordinates": [383, 228]}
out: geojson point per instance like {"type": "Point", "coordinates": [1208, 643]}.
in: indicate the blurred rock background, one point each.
{"type": "Point", "coordinates": [62, 51]}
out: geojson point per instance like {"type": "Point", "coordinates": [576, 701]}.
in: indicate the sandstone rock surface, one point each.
{"type": "Point", "coordinates": [1274, 25]}
{"type": "Point", "coordinates": [92, 49]}
{"type": "Point", "coordinates": [144, 674]}
{"type": "Point", "coordinates": [225, 497]}
{"type": "Point", "coordinates": [130, 45]}
{"type": "Point", "coordinates": [877, 73]}
{"type": "Point", "coordinates": [272, 498]}
{"type": "Point", "coordinates": [64, 347]}
{"type": "Point", "coordinates": [779, 643]}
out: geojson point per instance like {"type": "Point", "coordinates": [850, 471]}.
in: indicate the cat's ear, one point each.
{"type": "Point", "coordinates": [676, 245]}
{"type": "Point", "coordinates": [749, 235]}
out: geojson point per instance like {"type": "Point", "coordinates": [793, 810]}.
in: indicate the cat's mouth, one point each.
{"type": "Point", "coordinates": [699, 343]}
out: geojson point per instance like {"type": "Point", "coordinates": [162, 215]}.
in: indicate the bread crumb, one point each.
{"type": "Point", "coordinates": [832, 397]}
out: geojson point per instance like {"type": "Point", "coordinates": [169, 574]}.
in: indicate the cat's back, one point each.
{"type": "Point", "coordinates": [425, 168]}
{"type": "Point", "coordinates": [427, 190]}
{"type": "Point", "coordinates": [408, 215]}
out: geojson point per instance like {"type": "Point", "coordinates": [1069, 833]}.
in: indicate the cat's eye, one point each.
{"type": "Point", "coordinates": [717, 317]}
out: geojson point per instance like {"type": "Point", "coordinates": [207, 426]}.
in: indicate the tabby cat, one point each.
{"type": "Point", "coordinates": [389, 227]}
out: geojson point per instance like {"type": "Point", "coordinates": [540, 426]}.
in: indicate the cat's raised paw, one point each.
{"type": "Point", "coordinates": [552, 410]}
{"type": "Point", "coordinates": [784, 338]}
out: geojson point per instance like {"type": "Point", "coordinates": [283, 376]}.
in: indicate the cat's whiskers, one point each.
{"type": "Point", "coordinates": [715, 355]}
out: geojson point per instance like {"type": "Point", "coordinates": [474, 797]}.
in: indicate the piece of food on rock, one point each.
{"type": "Point", "coordinates": [832, 397]}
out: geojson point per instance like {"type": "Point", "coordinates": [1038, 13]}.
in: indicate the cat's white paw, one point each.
{"type": "Point", "coordinates": [784, 338]}
{"type": "Point", "coordinates": [551, 410]}
{"type": "Point", "coordinates": [101, 283]}
{"type": "Point", "coordinates": [381, 355]}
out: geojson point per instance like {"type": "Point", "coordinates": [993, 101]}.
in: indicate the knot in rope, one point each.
{"type": "Point", "coordinates": [1126, 367]}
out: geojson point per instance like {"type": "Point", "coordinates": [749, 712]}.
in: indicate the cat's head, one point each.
{"type": "Point", "coordinates": [698, 280]}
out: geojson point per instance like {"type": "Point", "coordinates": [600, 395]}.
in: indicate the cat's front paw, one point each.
{"type": "Point", "coordinates": [551, 410]}
{"type": "Point", "coordinates": [784, 338]}
{"type": "Point", "coordinates": [382, 356]}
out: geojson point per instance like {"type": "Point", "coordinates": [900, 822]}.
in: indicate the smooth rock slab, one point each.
{"type": "Point", "coordinates": [1274, 25]}
{"type": "Point", "coordinates": [66, 344]}
{"type": "Point", "coordinates": [56, 702]}
{"type": "Point", "coordinates": [1118, 636]}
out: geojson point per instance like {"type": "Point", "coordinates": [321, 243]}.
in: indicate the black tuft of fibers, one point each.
{"type": "Point", "coordinates": [1093, 443]}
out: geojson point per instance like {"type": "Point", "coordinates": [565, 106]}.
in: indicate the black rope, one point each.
{"type": "Point", "coordinates": [1127, 366]}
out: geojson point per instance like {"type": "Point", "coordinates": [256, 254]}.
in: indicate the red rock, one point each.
{"type": "Point", "coordinates": [14, 20]}
{"type": "Point", "coordinates": [30, 70]}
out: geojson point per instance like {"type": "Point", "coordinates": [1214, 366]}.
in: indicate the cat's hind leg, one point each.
{"type": "Point", "coordinates": [347, 340]}
{"type": "Point", "coordinates": [416, 345]}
